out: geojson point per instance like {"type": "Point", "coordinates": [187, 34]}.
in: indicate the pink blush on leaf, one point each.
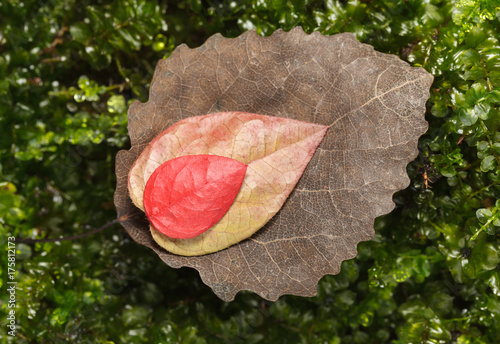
{"type": "Point", "coordinates": [186, 196]}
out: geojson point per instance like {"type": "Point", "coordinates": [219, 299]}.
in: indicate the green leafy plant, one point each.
{"type": "Point", "coordinates": [430, 275]}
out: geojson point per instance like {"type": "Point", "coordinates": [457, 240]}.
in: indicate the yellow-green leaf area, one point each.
{"type": "Point", "coordinates": [276, 150]}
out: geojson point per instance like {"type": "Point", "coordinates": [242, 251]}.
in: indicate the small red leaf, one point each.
{"type": "Point", "coordinates": [186, 196]}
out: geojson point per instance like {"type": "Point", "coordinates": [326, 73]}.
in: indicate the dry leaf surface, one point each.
{"type": "Point", "coordinates": [374, 106]}
{"type": "Point", "coordinates": [275, 149]}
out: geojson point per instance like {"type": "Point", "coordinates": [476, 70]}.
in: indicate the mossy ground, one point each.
{"type": "Point", "coordinates": [69, 68]}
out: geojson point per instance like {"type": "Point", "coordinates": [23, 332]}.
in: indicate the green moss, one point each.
{"type": "Point", "coordinates": [68, 70]}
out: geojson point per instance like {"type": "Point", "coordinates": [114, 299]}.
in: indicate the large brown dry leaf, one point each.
{"type": "Point", "coordinates": [374, 104]}
{"type": "Point", "coordinates": [276, 150]}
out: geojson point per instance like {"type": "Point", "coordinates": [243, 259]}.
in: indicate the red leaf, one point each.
{"type": "Point", "coordinates": [186, 196]}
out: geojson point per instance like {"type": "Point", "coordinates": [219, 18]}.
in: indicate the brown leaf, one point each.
{"type": "Point", "coordinates": [374, 105]}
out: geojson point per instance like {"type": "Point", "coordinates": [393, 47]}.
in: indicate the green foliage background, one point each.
{"type": "Point", "coordinates": [69, 69]}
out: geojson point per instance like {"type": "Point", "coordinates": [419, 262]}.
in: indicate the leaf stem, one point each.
{"type": "Point", "coordinates": [476, 193]}
{"type": "Point", "coordinates": [125, 77]}
{"type": "Point", "coordinates": [485, 71]}
{"type": "Point", "coordinates": [490, 220]}
{"type": "Point", "coordinates": [74, 237]}
{"type": "Point", "coordinates": [436, 227]}
{"type": "Point", "coordinates": [121, 219]}
{"type": "Point", "coordinates": [461, 319]}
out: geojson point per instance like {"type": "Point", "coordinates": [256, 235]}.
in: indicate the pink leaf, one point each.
{"type": "Point", "coordinates": [186, 196]}
{"type": "Point", "coordinates": [276, 150]}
